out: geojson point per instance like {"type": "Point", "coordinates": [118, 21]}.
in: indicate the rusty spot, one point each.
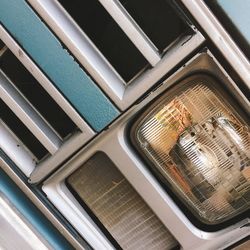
{"type": "Point", "coordinates": [20, 53]}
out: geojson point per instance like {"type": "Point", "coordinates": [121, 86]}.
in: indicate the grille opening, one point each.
{"type": "Point", "coordinates": [200, 145]}
{"type": "Point", "coordinates": [22, 133]}
{"type": "Point", "coordinates": [157, 19]}
{"type": "Point", "coordinates": [108, 37]}
{"type": "Point", "coordinates": [1, 44]}
{"type": "Point", "coordinates": [103, 189]}
{"type": "Point", "coordinates": [36, 95]}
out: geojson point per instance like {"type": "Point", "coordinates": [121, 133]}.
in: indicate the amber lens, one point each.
{"type": "Point", "coordinates": [201, 145]}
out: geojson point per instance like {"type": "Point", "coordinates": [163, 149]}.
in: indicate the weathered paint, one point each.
{"type": "Point", "coordinates": [45, 49]}
{"type": "Point", "coordinates": [31, 213]}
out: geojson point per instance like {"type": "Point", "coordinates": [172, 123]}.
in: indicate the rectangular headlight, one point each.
{"type": "Point", "coordinates": [101, 187]}
{"type": "Point", "coordinates": [200, 145]}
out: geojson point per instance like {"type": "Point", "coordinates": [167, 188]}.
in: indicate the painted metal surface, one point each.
{"type": "Point", "coordinates": [220, 37]}
{"type": "Point", "coordinates": [104, 74]}
{"type": "Point", "coordinates": [132, 30]}
{"type": "Point", "coordinates": [115, 145]}
{"type": "Point", "coordinates": [238, 12]}
{"type": "Point", "coordinates": [44, 48]}
{"type": "Point", "coordinates": [28, 115]}
{"type": "Point", "coordinates": [31, 213]}
{"type": "Point", "coordinates": [13, 225]}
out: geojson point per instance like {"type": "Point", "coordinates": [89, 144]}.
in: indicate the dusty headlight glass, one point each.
{"type": "Point", "coordinates": [201, 146]}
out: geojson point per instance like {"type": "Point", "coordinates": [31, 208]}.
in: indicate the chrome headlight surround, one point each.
{"type": "Point", "coordinates": [183, 81]}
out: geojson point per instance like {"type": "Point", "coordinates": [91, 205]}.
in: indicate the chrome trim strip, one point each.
{"type": "Point", "coordinates": [175, 55]}
{"type": "Point", "coordinates": [132, 30]}
{"type": "Point", "coordinates": [220, 37]}
{"type": "Point", "coordinates": [77, 244]}
{"type": "Point", "coordinates": [133, 168]}
{"type": "Point", "coordinates": [22, 159]}
{"type": "Point", "coordinates": [43, 80]}
{"type": "Point", "coordinates": [103, 73]}
{"type": "Point", "coordinates": [16, 151]}
{"type": "Point", "coordinates": [28, 115]}
{"type": "Point", "coordinates": [67, 149]}
{"type": "Point", "coordinates": [15, 226]}
{"type": "Point", "coordinates": [78, 43]}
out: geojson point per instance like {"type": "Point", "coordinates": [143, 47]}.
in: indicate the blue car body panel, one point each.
{"type": "Point", "coordinates": [55, 61]}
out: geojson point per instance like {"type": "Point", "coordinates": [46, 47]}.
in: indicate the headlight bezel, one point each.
{"type": "Point", "coordinates": [182, 81]}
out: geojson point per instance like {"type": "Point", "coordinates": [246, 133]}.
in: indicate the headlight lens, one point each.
{"type": "Point", "coordinates": [102, 187]}
{"type": "Point", "coordinates": [201, 146]}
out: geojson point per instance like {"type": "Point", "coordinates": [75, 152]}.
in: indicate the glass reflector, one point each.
{"type": "Point", "coordinates": [201, 146]}
{"type": "Point", "coordinates": [112, 199]}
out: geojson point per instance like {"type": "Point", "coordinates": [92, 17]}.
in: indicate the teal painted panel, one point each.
{"type": "Point", "coordinates": [45, 49]}
{"type": "Point", "coordinates": [31, 213]}
{"type": "Point", "coordinates": [239, 13]}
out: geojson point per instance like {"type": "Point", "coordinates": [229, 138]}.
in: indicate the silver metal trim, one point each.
{"type": "Point", "coordinates": [220, 37]}
{"type": "Point", "coordinates": [113, 142]}
{"type": "Point", "coordinates": [67, 149]}
{"type": "Point", "coordinates": [102, 72]}
{"type": "Point", "coordinates": [26, 161]}
{"type": "Point", "coordinates": [132, 30]}
{"type": "Point", "coordinates": [79, 44]}
{"type": "Point", "coordinates": [28, 115]}
{"type": "Point", "coordinates": [43, 80]}
{"type": "Point", "coordinates": [65, 202]}
{"type": "Point", "coordinates": [76, 243]}
{"type": "Point", "coordinates": [175, 55]}
{"type": "Point", "coordinates": [16, 151]}
{"type": "Point", "coordinates": [15, 226]}
{"type": "Point", "coordinates": [69, 146]}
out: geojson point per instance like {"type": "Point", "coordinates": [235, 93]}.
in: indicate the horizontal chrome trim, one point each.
{"type": "Point", "coordinates": [28, 115]}
{"type": "Point", "coordinates": [132, 30]}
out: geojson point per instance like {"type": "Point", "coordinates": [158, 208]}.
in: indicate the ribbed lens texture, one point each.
{"type": "Point", "coordinates": [202, 147]}
{"type": "Point", "coordinates": [118, 206]}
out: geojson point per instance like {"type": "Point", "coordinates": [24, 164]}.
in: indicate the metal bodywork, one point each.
{"type": "Point", "coordinates": [104, 107]}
